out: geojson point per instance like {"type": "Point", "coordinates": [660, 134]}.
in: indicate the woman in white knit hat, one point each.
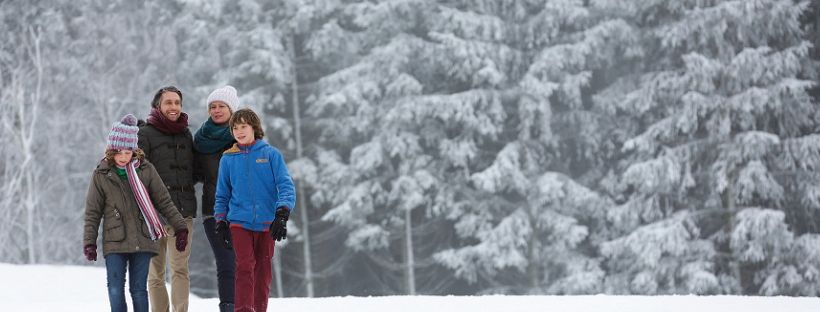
{"type": "Point", "coordinates": [125, 194]}
{"type": "Point", "coordinates": [213, 138]}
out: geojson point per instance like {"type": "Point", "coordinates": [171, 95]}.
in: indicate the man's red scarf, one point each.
{"type": "Point", "coordinates": [158, 120]}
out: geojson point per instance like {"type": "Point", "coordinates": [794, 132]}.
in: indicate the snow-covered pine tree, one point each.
{"type": "Point", "coordinates": [722, 172]}
{"type": "Point", "coordinates": [372, 170]}
{"type": "Point", "coordinates": [534, 225]}
{"type": "Point", "coordinates": [447, 111]}
{"type": "Point", "coordinates": [235, 43]}
{"type": "Point", "coordinates": [810, 21]}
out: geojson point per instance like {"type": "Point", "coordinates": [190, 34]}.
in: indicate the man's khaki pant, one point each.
{"type": "Point", "coordinates": [180, 283]}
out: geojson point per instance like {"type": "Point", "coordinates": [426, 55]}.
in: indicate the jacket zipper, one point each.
{"type": "Point", "coordinates": [250, 190]}
{"type": "Point", "coordinates": [125, 198]}
{"type": "Point", "coordinates": [177, 174]}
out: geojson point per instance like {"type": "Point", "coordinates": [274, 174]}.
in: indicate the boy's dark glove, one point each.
{"type": "Point", "coordinates": [90, 252]}
{"type": "Point", "coordinates": [223, 233]}
{"type": "Point", "coordinates": [182, 239]}
{"type": "Point", "coordinates": [279, 227]}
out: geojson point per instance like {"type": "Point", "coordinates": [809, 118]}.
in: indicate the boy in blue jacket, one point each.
{"type": "Point", "coordinates": [254, 198]}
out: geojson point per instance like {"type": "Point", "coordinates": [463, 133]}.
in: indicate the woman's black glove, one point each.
{"type": "Point", "coordinates": [223, 232]}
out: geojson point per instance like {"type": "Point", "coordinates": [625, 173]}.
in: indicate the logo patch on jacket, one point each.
{"type": "Point", "coordinates": [261, 160]}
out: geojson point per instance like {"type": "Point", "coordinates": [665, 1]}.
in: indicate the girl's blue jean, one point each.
{"type": "Point", "coordinates": [137, 266]}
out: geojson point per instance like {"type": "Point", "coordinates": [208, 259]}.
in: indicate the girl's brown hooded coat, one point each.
{"type": "Point", "coordinates": [111, 201]}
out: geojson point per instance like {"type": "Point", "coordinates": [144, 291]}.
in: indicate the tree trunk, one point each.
{"type": "Point", "coordinates": [27, 125]}
{"type": "Point", "coordinates": [301, 202]}
{"type": "Point", "coordinates": [410, 259]}
{"type": "Point", "coordinates": [30, 210]}
{"type": "Point", "coordinates": [532, 262]}
{"type": "Point", "coordinates": [730, 205]}
{"type": "Point", "coordinates": [277, 267]}
{"type": "Point", "coordinates": [532, 266]}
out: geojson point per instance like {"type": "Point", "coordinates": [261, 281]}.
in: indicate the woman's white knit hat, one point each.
{"type": "Point", "coordinates": [225, 94]}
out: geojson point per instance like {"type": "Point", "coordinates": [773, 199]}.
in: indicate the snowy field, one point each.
{"type": "Point", "coordinates": [74, 288]}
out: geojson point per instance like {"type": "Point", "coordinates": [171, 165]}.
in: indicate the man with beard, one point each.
{"type": "Point", "coordinates": [168, 144]}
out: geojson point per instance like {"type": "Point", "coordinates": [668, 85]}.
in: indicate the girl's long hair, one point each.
{"type": "Point", "coordinates": [109, 155]}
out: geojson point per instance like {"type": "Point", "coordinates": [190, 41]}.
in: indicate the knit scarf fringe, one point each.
{"type": "Point", "coordinates": [155, 227]}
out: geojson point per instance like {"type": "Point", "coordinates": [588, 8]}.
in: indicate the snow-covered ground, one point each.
{"type": "Point", "coordinates": [75, 288]}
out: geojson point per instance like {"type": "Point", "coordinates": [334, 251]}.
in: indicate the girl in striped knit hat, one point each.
{"type": "Point", "coordinates": [126, 194]}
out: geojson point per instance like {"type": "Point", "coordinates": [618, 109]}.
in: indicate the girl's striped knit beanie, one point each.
{"type": "Point", "coordinates": [123, 135]}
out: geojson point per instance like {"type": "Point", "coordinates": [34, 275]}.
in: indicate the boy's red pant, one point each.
{"type": "Point", "coordinates": [254, 251]}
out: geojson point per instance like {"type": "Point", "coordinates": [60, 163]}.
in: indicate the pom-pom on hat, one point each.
{"type": "Point", "coordinates": [225, 94]}
{"type": "Point", "coordinates": [123, 135]}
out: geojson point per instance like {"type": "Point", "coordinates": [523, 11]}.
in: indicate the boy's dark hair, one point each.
{"type": "Point", "coordinates": [247, 116]}
{"type": "Point", "coordinates": [110, 153]}
{"type": "Point", "coordinates": [158, 95]}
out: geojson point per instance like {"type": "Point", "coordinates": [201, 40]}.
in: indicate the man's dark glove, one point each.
{"type": "Point", "coordinates": [90, 252]}
{"type": "Point", "coordinates": [279, 227]}
{"type": "Point", "coordinates": [223, 233]}
{"type": "Point", "coordinates": [182, 239]}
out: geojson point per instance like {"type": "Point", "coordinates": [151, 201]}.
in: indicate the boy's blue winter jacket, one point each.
{"type": "Point", "coordinates": [252, 182]}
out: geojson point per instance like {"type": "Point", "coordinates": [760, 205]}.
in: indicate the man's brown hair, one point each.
{"type": "Point", "coordinates": [247, 116]}
{"type": "Point", "coordinates": [158, 96]}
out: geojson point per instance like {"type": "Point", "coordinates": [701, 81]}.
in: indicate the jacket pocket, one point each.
{"type": "Point", "coordinates": [114, 226]}
{"type": "Point", "coordinates": [187, 202]}
{"type": "Point", "coordinates": [239, 210]}
{"type": "Point", "coordinates": [144, 226]}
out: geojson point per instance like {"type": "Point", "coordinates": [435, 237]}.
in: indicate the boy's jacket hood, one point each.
{"type": "Point", "coordinates": [236, 149]}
